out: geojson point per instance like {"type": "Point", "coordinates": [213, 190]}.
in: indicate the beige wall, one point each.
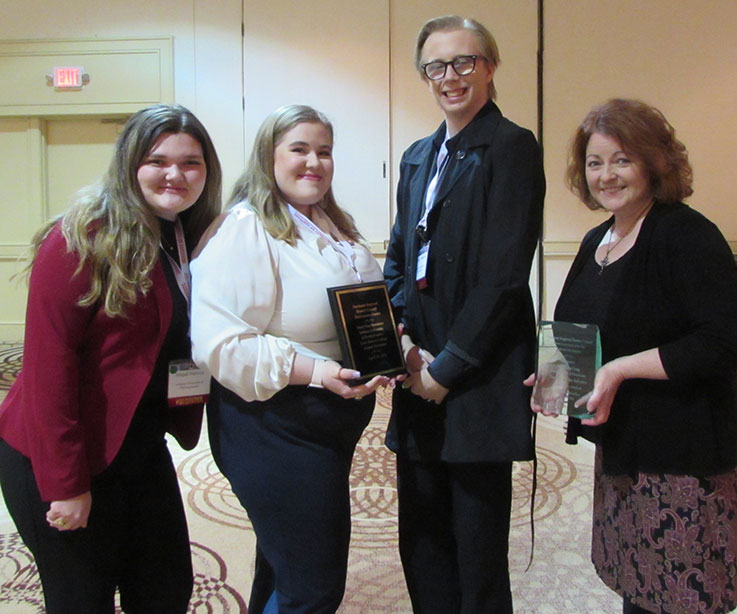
{"type": "Point", "coordinates": [207, 43]}
{"type": "Point", "coordinates": [344, 77]}
{"type": "Point", "coordinates": [354, 62]}
{"type": "Point", "coordinates": [514, 26]}
{"type": "Point", "coordinates": [681, 56]}
{"type": "Point", "coordinates": [207, 79]}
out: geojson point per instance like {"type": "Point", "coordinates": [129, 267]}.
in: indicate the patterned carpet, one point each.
{"type": "Point", "coordinates": [561, 578]}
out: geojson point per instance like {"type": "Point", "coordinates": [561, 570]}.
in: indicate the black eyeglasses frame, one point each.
{"type": "Point", "coordinates": [451, 63]}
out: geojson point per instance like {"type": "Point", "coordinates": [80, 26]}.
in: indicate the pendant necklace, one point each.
{"type": "Point", "coordinates": [605, 260]}
{"type": "Point", "coordinates": [611, 246]}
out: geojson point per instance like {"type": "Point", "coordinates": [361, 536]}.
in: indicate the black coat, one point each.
{"type": "Point", "coordinates": [477, 315]}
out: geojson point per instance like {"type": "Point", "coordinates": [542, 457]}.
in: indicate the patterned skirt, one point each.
{"type": "Point", "coordinates": [668, 543]}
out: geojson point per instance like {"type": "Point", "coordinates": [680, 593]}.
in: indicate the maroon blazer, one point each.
{"type": "Point", "coordinates": [83, 374]}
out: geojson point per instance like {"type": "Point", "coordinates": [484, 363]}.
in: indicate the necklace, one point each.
{"type": "Point", "coordinates": [610, 246]}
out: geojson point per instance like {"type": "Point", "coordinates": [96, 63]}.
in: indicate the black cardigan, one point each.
{"type": "Point", "coordinates": [677, 292]}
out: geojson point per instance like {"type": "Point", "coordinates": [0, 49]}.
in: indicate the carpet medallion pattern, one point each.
{"type": "Point", "coordinates": [209, 494]}
{"type": "Point", "coordinates": [560, 579]}
{"type": "Point", "coordinates": [20, 591]}
{"type": "Point", "coordinates": [11, 356]}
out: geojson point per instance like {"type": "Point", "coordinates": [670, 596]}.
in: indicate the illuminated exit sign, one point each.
{"type": "Point", "coordinates": [68, 77]}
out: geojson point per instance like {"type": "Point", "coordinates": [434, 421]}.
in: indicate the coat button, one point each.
{"type": "Point", "coordinates": [449, 258]}
{"type": "Point", "coordinates": [460, 155]}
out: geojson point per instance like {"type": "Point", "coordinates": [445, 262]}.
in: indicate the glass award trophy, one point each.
{"type": "Point", "coordinates": [568, 357]}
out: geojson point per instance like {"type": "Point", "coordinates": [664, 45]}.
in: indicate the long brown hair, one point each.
{"type": "Point", "coordinates": [111, 226]}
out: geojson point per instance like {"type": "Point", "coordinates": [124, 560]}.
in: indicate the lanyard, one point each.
{"type": "Point", "coordinates": [181, 269]}
{"type": "Point", "coordinates": [343, 248]}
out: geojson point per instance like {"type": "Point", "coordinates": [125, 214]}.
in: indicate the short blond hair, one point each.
{"type": "Point", "coordinates": [449, 23]}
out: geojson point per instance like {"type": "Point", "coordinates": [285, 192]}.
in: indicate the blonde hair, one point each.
{"type": "Point", "coordinates": [258, 185]}
{"type": "Point", "coordinates": [449, 23]}
{"type": "Point", "coordinates": [111, 226]}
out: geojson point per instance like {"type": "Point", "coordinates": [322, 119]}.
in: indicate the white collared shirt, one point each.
{"type": "Point", "coordinates": [257, 301]}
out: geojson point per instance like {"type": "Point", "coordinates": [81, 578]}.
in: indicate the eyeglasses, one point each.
{"type": "Point", "coordinates": [462, 64]}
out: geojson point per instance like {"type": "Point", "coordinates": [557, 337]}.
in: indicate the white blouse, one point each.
{"type": "Point", "coordinates": [257, 301]}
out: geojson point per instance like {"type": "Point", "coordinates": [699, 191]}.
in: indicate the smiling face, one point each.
{"type": "Point", "coordinates": [172, 175]}
{"type": "Point", "coordinates": [460, 98]}
{"type": "Point", "coordinates": [618, 182]}
{"type": "Point", "coordinates": [303, 164]}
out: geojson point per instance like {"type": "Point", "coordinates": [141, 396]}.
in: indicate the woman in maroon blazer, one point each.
{"type": "Point", "coordinates": [84, 466]}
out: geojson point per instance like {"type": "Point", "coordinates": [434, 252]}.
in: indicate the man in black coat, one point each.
{"type": "Point", "coordinates": [469, 212]}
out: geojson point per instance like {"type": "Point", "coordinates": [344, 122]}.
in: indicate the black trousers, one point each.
{"type": "Point", "coordinates": [288, 461]}
{"type": "Point", "coordinates": [630, 608]}
{"type": "Point", "coordinates": [454, 535]}
{"type": "Point", "coordinates": [136, 540]}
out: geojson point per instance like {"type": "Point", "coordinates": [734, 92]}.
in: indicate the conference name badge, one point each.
{"type": "Point", "coordinates": [188, 384]}
{"type": "Point", "coordinates": [421, 274]}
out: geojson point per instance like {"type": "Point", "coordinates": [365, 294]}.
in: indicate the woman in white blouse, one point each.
{"type": "Point", "coordinates": [283, 419]}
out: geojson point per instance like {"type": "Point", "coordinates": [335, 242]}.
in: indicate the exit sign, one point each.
{"type": "Point", "coordinates": [68, 77]}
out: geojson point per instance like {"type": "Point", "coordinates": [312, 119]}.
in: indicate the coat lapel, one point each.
{"type": "Point", "coordinates": [424, 159]}
{"type": "Point", "coordinates": [458, 164]}
{"type": "Point", "coordinates": [479, 133]}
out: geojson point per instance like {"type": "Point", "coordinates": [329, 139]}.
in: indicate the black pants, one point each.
{"type": "Point", "coordinates": [136, 540]}
{"type": "Point", "coordinates": [630, 608]}
{"type": "Point", "coordinates": [288, 460]}
{"type": "Point", "coordinates": [454, 536]}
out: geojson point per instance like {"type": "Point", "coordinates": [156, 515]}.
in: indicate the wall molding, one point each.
{"type": "Point", "coordinates": [560, 249]}
{"type": "Point", "coordinates": [11, 331]}
{"type": "Point", "coordinates": [566, 249]}
{"type": "Point", "coordinates": [13, 251]}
